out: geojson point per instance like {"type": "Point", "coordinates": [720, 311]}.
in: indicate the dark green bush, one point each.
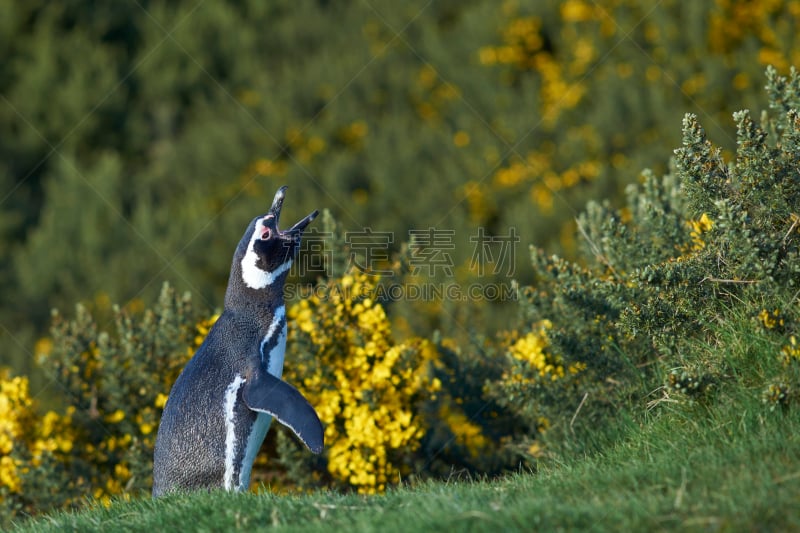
{"type": "Point", "coordinates": [709, 243]}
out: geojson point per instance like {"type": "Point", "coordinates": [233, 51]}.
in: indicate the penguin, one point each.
{"type": "Point", "coordinates": [221, 406]}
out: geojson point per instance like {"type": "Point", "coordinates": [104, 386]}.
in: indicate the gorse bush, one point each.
{"type": "Point", "coordinates": [709, 241]}
{"type": "Point", "coordinates": [114, 385]}
{"type": "Point", "coordinates": [369, 390]}
{"type": "Point", "coordinates": [34, 451]}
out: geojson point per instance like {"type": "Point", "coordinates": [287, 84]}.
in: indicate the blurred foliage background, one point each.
{"type": "Point", "coordinates": [138, 139]}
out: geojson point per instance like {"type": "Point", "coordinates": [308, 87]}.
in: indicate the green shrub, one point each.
{"type": "Point", "coordinates": [710, 242]}
{"type": "Point", "coordinates": [113, 386]}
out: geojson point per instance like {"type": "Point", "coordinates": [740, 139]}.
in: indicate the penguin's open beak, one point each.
{"type": "Point", "coordinates": [277, 203]}
{"type": "Point", "coordinates": [275, 210]}
{"type": "Point", "coordinates": [298, 228]}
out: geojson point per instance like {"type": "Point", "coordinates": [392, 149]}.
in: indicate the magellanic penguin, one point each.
{"type": "Point", "coordinates": [221, 405]}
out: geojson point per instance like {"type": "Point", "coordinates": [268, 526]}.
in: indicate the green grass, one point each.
{"type": "Point", "coordinates": [737, 468]}
{"type": "Point", "coordinates": [725, 462]}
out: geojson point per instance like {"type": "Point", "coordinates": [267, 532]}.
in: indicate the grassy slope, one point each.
{"type": "Point", "coordinates": [727, 462]}
{"type": "Point", "coordinates": [731, 472]}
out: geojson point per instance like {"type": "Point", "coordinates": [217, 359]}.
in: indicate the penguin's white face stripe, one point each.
{"type": "Point", "coordinates": [254, 277]}
{"type": "Point", "coordinates": [229, 402]}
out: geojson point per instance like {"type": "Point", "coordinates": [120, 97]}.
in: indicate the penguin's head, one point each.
{"type": "Point", "coordinates": [266, 252]}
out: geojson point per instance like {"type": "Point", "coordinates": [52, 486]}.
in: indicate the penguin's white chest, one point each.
{"type": "Point", "coordinates": [275, 354]}
{"type": "Point", "coordinates": [274, 359]}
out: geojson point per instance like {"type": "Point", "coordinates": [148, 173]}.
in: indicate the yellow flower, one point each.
{"type": "Point", "coordinates": [43, 347]}
{"type": "Point", "coordinates": [487, 56]}
{"type": "Point", "coordinates": [576, 11]}
{"type": "Point", "coordinates": [770, 320]}
{"type": "Point", "coordinates": [8, 474]}
{"type": "Point", "coordinates": [64, 445]}
{"type": "Point", "coordinates": [466, 432]}
{"type": "Point", "coordinates": [699, 227]}
{"type": "Point", "coordinates": [791, 352]}
{"type": "Point", "coordinates": [161, 400]}
{"type": "Point", "coordinates": [115, 417]}
{"type": "Point", "coordinates": [532, 350]}
{"type": "Point", "coordinates": [461, 138]}
{"type": "Point", "coordinates": [354, 133]}
{"type": "Point", "coordinates": [535, 449]}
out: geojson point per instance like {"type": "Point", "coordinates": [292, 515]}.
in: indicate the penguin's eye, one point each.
{"type": "Point", "coordinates": [266, 234]}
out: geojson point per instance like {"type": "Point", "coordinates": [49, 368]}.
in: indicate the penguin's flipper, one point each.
{"type": "Point", "coordinates": [265, 393]}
